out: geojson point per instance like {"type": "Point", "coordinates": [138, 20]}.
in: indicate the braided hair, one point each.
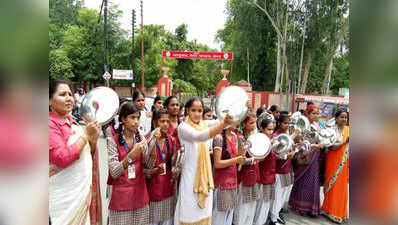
{"type": "Point", "coordinates": [125, 110]}
{"type": "Point", "coordinates": [168, 159]}
{"type": "Point", "coordinates": [226, 154]}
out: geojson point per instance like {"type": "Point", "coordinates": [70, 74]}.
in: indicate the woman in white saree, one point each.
{"type": "Point", "coordinates": [74, 196]}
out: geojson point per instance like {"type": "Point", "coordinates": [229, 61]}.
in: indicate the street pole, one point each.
{"type": "Point", "coordinates": [248, 67]}
{"type": "Point", "coordinates": [132, 38]}
{"type": "Point", "coordinates": [142, 46]}
{"type": "Point", "coordinates": [106, 39]}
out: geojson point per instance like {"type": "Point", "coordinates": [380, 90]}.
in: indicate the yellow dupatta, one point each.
{"type": "Point", "coordinates": [203, 176]}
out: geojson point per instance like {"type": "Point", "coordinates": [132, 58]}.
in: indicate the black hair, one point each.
{"type": "Point", "coordinates": [339, 112]}
{"type": "Point", "coordinates": [168, 100]}
{"type": "Point", "coordinates": [206, 110]}
{"type": "Point", "coordinates": [273, 108]}
{"type": "Point", "coordinates": [136, 94]}
{"type": "Point", "coordinates": [127, 109]}
{"type": "Point", "coordinates": [284, 112]}
{"type": "Point", "coordinates": [185, 110]}
{"type": "Point", "coordinates": [122, 100]}
{"type": "Point", "coordinates": [264, 123]}
{"type": "Point", "coordinates": [259, 111]}
{"type": "Point", "coordinates": [157, 98]}
{"type": "Point", "coordinates": [156, 116]}
{"type": "Point", "coordinates": [54, 85]}
{"type": "Point", "coordinates": [181, 105]}
{"type": "Point", "coordinates": [191, 101]}
{"type": "Point", "coordinates": [302, 111]}
{"type": "Point", "coordinates": [281, 119]}
{"type": "Point", "coordinates": [225, 153]}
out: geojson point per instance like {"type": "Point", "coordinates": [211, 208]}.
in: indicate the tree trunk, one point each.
{"type": "Point", "coordinates": [329, 65]}
{"type": "Point", "coordinates": [301, 62]}
{"type": "Point", "coordinates": [326, 78]}
{"type": "Point", "coordinates": [308, 60]}
{"type": "Point", "coordinates": [284, 51]}
{"type": "Point", "coordinates": [278, 60]}
{"type": "Point", "coordinates": [278, 66]}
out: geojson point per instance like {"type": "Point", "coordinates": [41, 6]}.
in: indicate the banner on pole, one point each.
{"type": "Point", "coordinates": [198, 55]}
{"type": "Point", "coordinates": [123, 74]}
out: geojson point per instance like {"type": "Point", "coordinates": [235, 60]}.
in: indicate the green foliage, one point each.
{"type": "Point", "coordinates": [247, 29]}
{"type": "Point", "coordinates": [181, 86]}
{"type": "Point", "coordinates": [340, 74]}
{"type": "Point", "coordinates": [60, 65]}
{"type": "Point", "coordinates": [77, 50]}
{"type": "Point", "coordinates": [76, 42]}
{"type": "Point", "coordinates": [64, 12]}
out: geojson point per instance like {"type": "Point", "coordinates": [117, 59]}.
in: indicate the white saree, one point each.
{"type": "Point", "coordinates": [69, 188]}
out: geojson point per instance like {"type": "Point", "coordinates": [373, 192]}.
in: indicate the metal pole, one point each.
{"type": "Point", "coordinates": [248, 67]}
{"type": "Point", "coordinates": [142, 46]}
{"type": "Point", "coordinates": [132, 38]}
{"type": "Point", "coordinates": [106, 38]}
{"type": "Point", "coordinates": [230, 75]}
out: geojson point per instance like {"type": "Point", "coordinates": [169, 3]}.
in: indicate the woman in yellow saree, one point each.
{"type": "Point", "coordinates": [336, 173]}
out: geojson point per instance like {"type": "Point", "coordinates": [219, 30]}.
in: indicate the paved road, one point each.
{"type": "Point", "coordinates": [291, 218]}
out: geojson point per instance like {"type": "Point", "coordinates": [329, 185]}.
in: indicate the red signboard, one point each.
{"type": "Point", "coordinates": [198, 55]}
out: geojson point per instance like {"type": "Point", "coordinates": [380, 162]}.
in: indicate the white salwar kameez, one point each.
{"type": "Point", "coordinates": [262, 208]}
{"type": "Point", "coordinates": [187, 209]}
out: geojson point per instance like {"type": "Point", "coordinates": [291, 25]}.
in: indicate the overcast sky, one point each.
{"type": "Point", "coordinates": [203, 17]}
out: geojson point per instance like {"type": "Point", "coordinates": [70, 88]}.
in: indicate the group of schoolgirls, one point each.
{"type": "Point", "coordinates": [247, 190]}
{"type": "Point", "coordinates": [140, 166]}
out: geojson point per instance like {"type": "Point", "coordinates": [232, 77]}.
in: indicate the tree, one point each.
{"type": "Point", "coordinates": [184, 66]}
{"type": "Point", "coordinates": [60, 65]}
{"type": "Point", "coordinates": [325, 24]}
{"type": "Point", "coordinates": [246, 29]}
{"type": "Point", "coordinates": [291, 43]}
{"type": "Point", "coordinates": [64, 12]}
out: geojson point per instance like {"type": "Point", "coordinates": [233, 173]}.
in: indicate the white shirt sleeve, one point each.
{"type": "Point", "coordinates": [211, 123]}
{"type": "Point", "coordinates": [188, 133]}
